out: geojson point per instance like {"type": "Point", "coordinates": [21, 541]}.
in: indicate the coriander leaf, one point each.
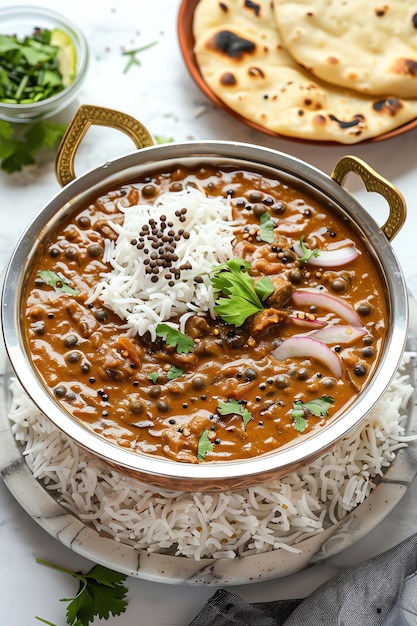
{"type": "Point", "coordinates": [57, 281]}
{"type": "Point", "coordinates": [204, 445]}
{"type": "Point", "coordinates": [300, 423]}
{"type": "Point", "coordinates": [266, 232]}
{"type": "Point", "coordinates": [236, 310]}
{"type": "Point", "coordinates": [233, 280]}
{"type": "Point", "coordinates": [132, 55]}
{"type": "Point", "coordinates": [163, 139]}
{"type": "Point", "coordinates": [173, 337]}
{"type": "Point", "coordinates": [307, 254]}
{"type": "Point", "coordinates": [264, 287]}
{"type": "Point", "coordinates": [101, 594]}
{"type": "Point", "coordinates": [153, 376]}
{"type": "Point", "coordinates": [175, 372]}
{"type": "Point", "coordinates": [18, 146]}
{"type": "Point", "coordinates": [318, 407]}
{"type": "Point", "coordinates": [234, 407]}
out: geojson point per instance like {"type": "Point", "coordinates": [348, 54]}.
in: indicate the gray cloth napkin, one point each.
{"type": "Point", "coordinates": [381, 590]}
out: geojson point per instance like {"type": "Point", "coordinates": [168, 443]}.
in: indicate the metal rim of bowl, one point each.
{"type": "Point", "coordinates": [218, 475]}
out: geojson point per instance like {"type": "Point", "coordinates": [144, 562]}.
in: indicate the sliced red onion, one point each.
{"type": "Point", "coordinates": [307, 320]}
{"type": "Point", "coordinates": [314, 297]}
{"type": "Point", "coordinates": [330, 257]}
{"type": "Point", "coordinates": [339, 333]}
{"type": "Point", "coordinates": [306, 346]}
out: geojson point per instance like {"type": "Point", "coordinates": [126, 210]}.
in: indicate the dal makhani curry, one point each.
{"type": "Point", "coordinates": [204, 314]}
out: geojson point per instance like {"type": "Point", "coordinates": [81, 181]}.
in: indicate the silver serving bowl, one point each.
{"type": "Point", "coordinates": [77, 192]}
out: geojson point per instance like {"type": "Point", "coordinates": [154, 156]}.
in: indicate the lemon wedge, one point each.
{"type": "Point", "coordinates": [67, 57]}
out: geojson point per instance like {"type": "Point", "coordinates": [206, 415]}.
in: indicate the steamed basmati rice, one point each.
{"type": "Point", "coordinates": [280, 514]}
{"type": "Point", "coordinates": [181, 237]}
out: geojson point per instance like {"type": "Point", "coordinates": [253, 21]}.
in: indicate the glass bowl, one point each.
{"type": "Point", "coordinates": [21, 21]}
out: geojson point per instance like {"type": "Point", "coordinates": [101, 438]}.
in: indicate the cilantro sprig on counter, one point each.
{"type": "Point", "coordinates": [101, 593]}
{"type": "Point", "coordinates": [301, 410]}
{"type": "Point", "coordinates": [19, 143]}
{"type": "Point", "coordinates": [240, 296]}
{"type": "Point", "coordinates": [133, 60]}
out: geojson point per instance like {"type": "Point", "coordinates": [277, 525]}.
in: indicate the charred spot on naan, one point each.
{"type": "Point", "coordinates": [405, 67]}
{"type": "Point", "coordinates": [392, 106]}
{"type": "Point", "coordinates": [228, 79]}
{"type": "Point", "coordinates": [253, 6]}
{"type": "Point", "coordinates": [231, 45]}
{"type": "Point", "coordinates": [256, 72]}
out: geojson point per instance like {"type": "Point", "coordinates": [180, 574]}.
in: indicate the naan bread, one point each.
{"type": "Point", "coordinates": [242, 59]}
{"type": "Point", "coordinates": [367, 45]}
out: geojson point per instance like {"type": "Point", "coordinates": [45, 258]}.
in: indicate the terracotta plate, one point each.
{"type": "Point", "coordinates": [186, 42]}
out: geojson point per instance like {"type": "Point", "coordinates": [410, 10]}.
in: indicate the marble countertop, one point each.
{"type": "Point", "coordinates": [162, 95]}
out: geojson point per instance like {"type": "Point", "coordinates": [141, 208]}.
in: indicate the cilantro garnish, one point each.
{"type": "Point", "coordinates": [301, 410]}
{"type": "Point", "coordinates": [234, 407]}
{"type": "Point", "coordinates": [57, 281]}
{"type": "Point", "coordinates": [307, 254]}
{"type": "Point", "coordinates": [243, 297]}
{"type": "Point", "coordinates": [19, 146]}
{"type": "Point", "coordinates": [153, 376]}
{"type": "Point", "coordinates": [175, 372]}
{"type": "Point", "coordinates": [173, 337]}
{"type": "Point", "coordinates": [266, 232]}
{"type": "Point", "coordinates": [100, 594]}
{"type": "Point", "coordinates": [133, 60]}
{"type": "Point", "coordinates": [204, 445]}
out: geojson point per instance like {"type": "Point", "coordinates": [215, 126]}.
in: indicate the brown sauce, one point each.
{"type": "Point", "coordinates": [122, 386]}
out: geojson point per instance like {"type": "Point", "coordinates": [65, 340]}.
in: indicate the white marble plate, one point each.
{"type": "Point", "coordinates": [86, 541]}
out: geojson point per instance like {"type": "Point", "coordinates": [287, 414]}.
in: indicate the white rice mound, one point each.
{"type": "Point", "coordinates": [130, 292]}
{"type": "Point", "coordinates": [280, 514]}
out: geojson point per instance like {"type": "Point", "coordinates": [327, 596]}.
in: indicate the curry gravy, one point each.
{"type": "Point", "coordinates": [122, 387]}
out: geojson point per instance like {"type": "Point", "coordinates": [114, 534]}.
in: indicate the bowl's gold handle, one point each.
{"type": "Point", "coordinates": [375, 182]}
{"type": "Point", "coordinates": [86, 116]}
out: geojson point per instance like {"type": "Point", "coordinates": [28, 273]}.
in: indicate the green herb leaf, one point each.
{"type": "Point", "coordinates": [266, 232]}
{"type": "Point", "coordinates": [300, 423]}
{"type": "Point", "coordinates": [100, 594]}
{"type": "Point", "coordinates": [57, 281]}
{"type": "Point", "coordinates": [132, 55]}
{"type": "Point", "coordinates": [18, 146]}
{"type": "Point", "coordinates": [31, 66]}
{"type": "Point", "coordinates": [163, 139]}
{"type": "Point", "coordinates": [264, 287]}
{"type": "Point", "coordinates": [242, 298]}
{"type": "Point", "coordinates": [204, 445]}
{"type": "Point", "coordinates": [173, 337]}
{"type": "Point", "coordinates": [153, 376]}
{"type": "Point", "coordinates": [318, 407]}
{"type": "Point", "coordinates": [175, 372]}
{"type": "Point", "coordinates": [234, 407]}
{"type": "Point", "coordinates": [307, 254]}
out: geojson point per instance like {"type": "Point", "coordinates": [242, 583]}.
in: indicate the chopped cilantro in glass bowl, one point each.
{"type": "Point", "coordinates": [43, 63]}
